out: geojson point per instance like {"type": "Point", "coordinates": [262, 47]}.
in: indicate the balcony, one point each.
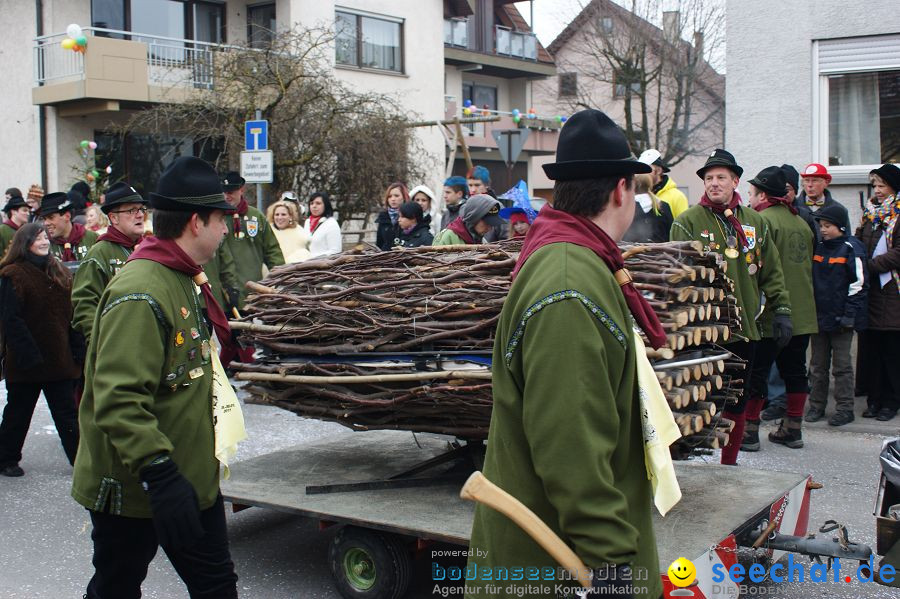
{"type": "Point", "coordinates": [136, 68]}
{"type": "Point", "coordinates": [511, 53]}
{"type": "Point", "coordinates": [543, 130]}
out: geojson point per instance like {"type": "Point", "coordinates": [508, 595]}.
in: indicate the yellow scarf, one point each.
{"type": "Point", "coordinates": [660, 431]}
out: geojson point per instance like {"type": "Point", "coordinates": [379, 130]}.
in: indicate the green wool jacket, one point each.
{"type": "Point", "coordinates": [80, 250]}
{"type": "Point", "coordinates": [221, 274]}
{"type": "Point", "coordinates": [98, 267]}
{"type": "Point", "coordinates": [145, 397]}
{"type": "Point", "coordinates": [255, 244]}
{"type": "Point", "coordinates": [796, 245]}
{"type": "Point", "coordinates": [698, 223]}
{"type": "Point", "coordinates": [448, 237]}
{"type": "Point", "coordinates": [566, 436]}
{"type": "Point", "coordinates": [6, 235]}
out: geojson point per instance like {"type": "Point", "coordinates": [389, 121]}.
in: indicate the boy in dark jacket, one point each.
{"type": "Point", "coordinates": [841, 284]}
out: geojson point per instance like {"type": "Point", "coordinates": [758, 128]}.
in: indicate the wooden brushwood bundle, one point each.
{"type": "Point", "coordinates": [400, 340]}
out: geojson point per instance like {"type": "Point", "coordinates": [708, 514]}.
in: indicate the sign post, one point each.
{"type": "Point", "coordinates": [257, 162]}
{"type": "Point", "coordinates": [510, 143]}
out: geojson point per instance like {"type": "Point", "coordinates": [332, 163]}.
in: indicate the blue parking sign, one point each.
{"type": "Point", "coordinates": [256, 135]}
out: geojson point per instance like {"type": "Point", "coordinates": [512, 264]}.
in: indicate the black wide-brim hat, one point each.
{"type": "Point", "coordinates": [189, 185]}
{"type": "Point", "coordinates": [592, 146]}
{"type": "Point", "coordinates": [721, 157]}
{"type": "Point", "coordinates": [771, 180]}
{"type": "Point", "coordinates": [232, 181]}
{"type": "Point", "coordinates": [120, 193]}
{"type": "Point", "coordinates": [791, 175]}
{"type": "Point", "coordinates": [54, 203]}
{"type": "Point", "coordinates": [890, 173]}
{"type": "Point", "coordinates": [13, 203]}
{"type": "Point", "coordinates": [834, 213]}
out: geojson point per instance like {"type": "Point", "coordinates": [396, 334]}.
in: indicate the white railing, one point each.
{"type": "Point", "coordinates": [170, 61]}
{"type": "Point", "coordinates": [519, 44]}
{"type": "Point", "coordinates": [456, 32]}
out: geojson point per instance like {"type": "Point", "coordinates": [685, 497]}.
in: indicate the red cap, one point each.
{"type": "Point", "coordinates": [816, 170]}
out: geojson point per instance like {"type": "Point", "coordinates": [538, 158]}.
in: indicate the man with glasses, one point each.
{"type": "Point", "coordinates": [126, 211]}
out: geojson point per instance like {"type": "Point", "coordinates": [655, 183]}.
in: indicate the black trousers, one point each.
{"type": "Point", "coordinates": [21, 399]}
{"type": "Point", "coordinates": [124, 548]}
{"type": "Point", "coordinates": [791, 361]}
{"type": "Point", "coordinates": [882, 351]}
{"type": "Point", "coordinates": [746, 350]}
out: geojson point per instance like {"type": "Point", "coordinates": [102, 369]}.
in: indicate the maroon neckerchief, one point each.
{"type": "Point", "coordinates": [459, 227]}
{"type": "Point", "coordinates": [314, 222]}
{"type": "Point", "coordinates": [773, 201]}
{"type": "Point", "coordinates": [74, 238]}
{"type": "Point", "coordinates": [11, 224]}
{"type": "Point", "coordinates": [240, 210]}
{"type": "Point", "coordinates": [728, 213]}
{"type": "Point", "coordinates": [170, 255]}
{"type": "Point", "coordinates": [113, 235]}
{"type": "Point", "coordinates": [556, 226]}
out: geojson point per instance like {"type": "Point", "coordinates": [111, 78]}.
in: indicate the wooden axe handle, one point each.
{"type": "Point", "coordinates": [479, 488]}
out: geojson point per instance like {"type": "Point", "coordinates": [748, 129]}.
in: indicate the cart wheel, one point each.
{"type": "Point", "coordinates": [369, 565]}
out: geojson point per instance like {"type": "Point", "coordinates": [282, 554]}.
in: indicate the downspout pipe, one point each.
{"type": "Point", "coordinates": [42, 110]}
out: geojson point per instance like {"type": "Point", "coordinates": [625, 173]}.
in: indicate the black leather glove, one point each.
{"type": "Point", "coordinates": [234, 300]}
{"type": "Point", "coordinates": [78, 346]}
{"type": "Point", "coordinates": [847, 322]}
{"type": "Point", "coordinates": [173, 500]}
{"type": "Point", "coordinates": [611, 583]}
{"type": "Point", "coordinates": [782, 330]}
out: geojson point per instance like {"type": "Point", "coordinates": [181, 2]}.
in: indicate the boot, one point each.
{"type": "Point", "coordinates": [789, 433]}
{"type": "Point", "coordinates": [730, 451]}
{"type": "Point", "coordinates": [751, 436]}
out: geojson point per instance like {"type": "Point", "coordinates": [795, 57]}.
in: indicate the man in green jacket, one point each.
{"type": "Point", "coordinates": [743, 237]}
{"type": "Point", "coordinates": [146, 468]}
{"type": "Point", "coordinates": [250, 239]}
{"type": "Point", "coordinates": [126, 210]}
{"type": "Point", "coordinates": [795, 242]}
{"type": "Point", "coordinates": [566, 436]}
{"type": "Point", "coordinates": [17, 214]}
{"type": "Point", "coordinates": [69, 241]}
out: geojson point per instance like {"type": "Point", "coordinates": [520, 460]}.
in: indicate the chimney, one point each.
{"type": "Point", "coordinates": [671, 24]}
{"type": "Point", "coordinates": [698, 43]}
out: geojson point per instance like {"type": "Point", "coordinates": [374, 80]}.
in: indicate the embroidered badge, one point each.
{"type": "Point", "coordinates": [179, 338]}
{"type": "Point", "coordinates": [196, 373]}
{"type": "Point", "coordinates": [252, 227]}
{"type": "Point", "coordinates": [185, 312]}
{"type": "Point", "coordinates": [192, 354]}
{"type": "Point", "coordinates": [750, 234]}
{"type": "Point", "coordinates": [204, 349]}
{"type": "Point", "coordinates": [195, 334]}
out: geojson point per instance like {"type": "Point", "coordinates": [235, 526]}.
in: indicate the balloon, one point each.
{"type": "Point", "coordinates": [515, 112]}
{"type": "Point", "coordinates": [74, 30]}
{"type": "Point", "coordinates": [109, 170]}
{"type": "Point", "coordinates": [486, 111]}
{"type": "Point", "coordinates": [467, 103]}
{"type": "Point", "coordinates": [84, 144]}
{"type": "Point", "coordinates": [516, 119]}
{"type": "Point", "coordinates": [67, 43]}
{"type": "Point", "coordinates": [559, 119]}
{"type": "Point", "coordinates": [89, 177]}
{"type": "Point", "coordinates": [563, 119]}
{"type": "Point", "coordinates": [467, 111]}
{"type": "Point", "coordinates": [95, 173]}
{"type": "Point", "coordinates": [93, 145]}
{"type": "Point", "coordinates": [81, 41]}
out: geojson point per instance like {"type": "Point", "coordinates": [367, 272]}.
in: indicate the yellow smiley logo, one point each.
{"type": "Point", "coordinates": [682, 572]}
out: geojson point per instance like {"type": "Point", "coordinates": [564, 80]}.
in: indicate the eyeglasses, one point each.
{"type": "Point", "coordinates": [131, 211]}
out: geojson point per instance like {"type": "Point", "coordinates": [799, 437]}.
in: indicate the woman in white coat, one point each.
{"type": "Point", "coordinates": [424, 197]}
{"type": "Point", "coordinates": [321, 226]}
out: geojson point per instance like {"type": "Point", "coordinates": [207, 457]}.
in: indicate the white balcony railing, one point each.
{"type": "Point", "coordinates": [519, 44]}
{"type": "Point", "coordinates": [170, 61]}
{"type": "Point", "coordinates": [456, 32]}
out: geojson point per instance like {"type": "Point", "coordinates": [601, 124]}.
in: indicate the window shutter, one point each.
{"type": "Point", "coordinates": [856, 54]}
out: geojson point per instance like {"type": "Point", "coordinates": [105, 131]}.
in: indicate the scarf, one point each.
{"type": "Point", "coordinates": [37, 260]}
{"type": "Point", "coordinates": [884, 217]}
{"type": "Point", "coordinates": [170, 255]}
{"type": "Point", "coordinates": [459, 227]}
{"type": "Point", "coordinates": [74, 238]}
{"type": "Point", "coordinates": [113, 235]}
{"type": "Point", "coordinates": [728, 213]}
{"type": "Point", "coordinates": [394, 213]}
{"type": "Point", "coordinates": [240, 210]}
{"type": "Point", "coordinates": [773, 201]}
{"type": "Point", "coordinates": [11, 224]}
{"type": "Point", "coordinates": [556, 226]}
{"type": "Point", "coordinates": [409, 230]}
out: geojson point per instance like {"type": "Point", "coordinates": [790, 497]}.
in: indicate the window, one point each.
{"type": "Point", "coordinates": [260, 25]}
{"type": "Point", "coordinates": [481, 95]}
{"type": "Point", "coordinates": [568, 85]}
{"type": "Point", "coordinates": [864, 118]}
{"type": "Point", "coordinates": [619, 89]}
{"type": "Point", "coordinates": [108, 14]}
{"type": "Point", "coordinates": [606, 24]}
{"type": "Point", "coordinates": [181, 19]}
{"type": "Point", "coordinates": [368, 42]}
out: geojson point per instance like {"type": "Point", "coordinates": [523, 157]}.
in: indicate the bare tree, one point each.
{"type": "Point", "coordinates": [672, 97]}
{"type": "Point", "coordinates": [324, 136]}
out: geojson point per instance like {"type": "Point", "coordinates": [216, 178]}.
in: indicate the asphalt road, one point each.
{"type": "Point", "coordinates": [45, 551]}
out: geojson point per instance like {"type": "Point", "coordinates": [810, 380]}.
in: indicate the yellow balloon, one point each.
{"type": "Point", "coordinates": [68, 43]}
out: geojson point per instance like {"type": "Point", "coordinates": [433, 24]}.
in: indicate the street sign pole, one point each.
{"type": "Point", "coordinates": [259, 202]}
{"type": "Point", "coordinates": [510, 143]}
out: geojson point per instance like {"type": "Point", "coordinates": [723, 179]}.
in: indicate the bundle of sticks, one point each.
{"type": "Point", "coordinates": [401, 340]}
